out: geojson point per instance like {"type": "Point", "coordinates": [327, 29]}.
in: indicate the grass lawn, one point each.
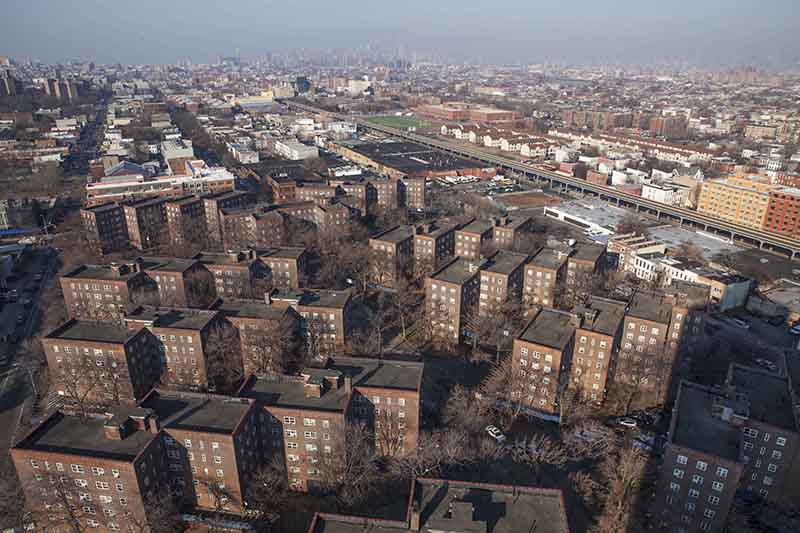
{"type": "Point", "coordinates": [398, 122]}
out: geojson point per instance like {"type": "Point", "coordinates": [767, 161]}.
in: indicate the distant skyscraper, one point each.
{"type": "Point", "coordinates": [302, 84]}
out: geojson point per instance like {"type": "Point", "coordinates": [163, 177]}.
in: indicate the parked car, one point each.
{"type": "Point", "coordinates": [38, 277]}
{"type": "Point", "coordinates": [627, 422]}
{"type": "Point", "coordinates": [496, 434]}
{"type": "Point", "coordinates": [739, 323]}
{"type": "Point", "coordinates": [795, 330]}
{"type": "Point", "coordinates": [20, 319]}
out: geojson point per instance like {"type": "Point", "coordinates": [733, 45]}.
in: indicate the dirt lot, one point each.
{"type": "Point", "coordinates": [522, 200]}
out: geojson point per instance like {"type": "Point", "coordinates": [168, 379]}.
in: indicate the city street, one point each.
{"type": "Point", "coordinates": [16, 381]}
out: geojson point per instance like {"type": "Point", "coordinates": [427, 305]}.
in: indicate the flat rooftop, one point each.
{"type": "Point", "coordinates": [550, 328]}
{"type": "Point", "coordinates": [196, 412]}
{"type": "Point", "coordinates": [395, 235]}
{"type": "Point", "coordinates": [512, 222]}
{"type": "Point", "coordinates": [458, 270]}
{"type": "Point", "coordinates": [61, 433]}
{"type": "Point", "coordinates": [650, 306]}
{"type": "Point", "coordinates": [770, 399]}
{"type": "Point", "coordinates": [144, 202]}
{"type": "Point", "coordinates": [313, 298]}
{"type": "Point", "coordinates": [410, 157]}
{"type": "Point", "coordinates": [505, 262]}
{"type": "Point", "coordinates": [228, 259]}
{"type": "Point", "coordinates": [584, 251]}
{"type": "Point", "coordinates": [162, 317]}
{"type": "Point", "coordinates": [103, 272]}
{"type": "Point", "coordinates": [109, 206]}
{"type": "Point", "coordinates": [286, 252]}
{"type": "Point", "coordinates": [549, 258]}
{"type": "Point", "coordinates": [434, 229]}
{"type": "Point", "coordinates": [602, 315]}
{"type": "Point", "coordinates": [166, 264]}
{"type": "Point", "coordinates": [290, 391]}
{"type": "Point", "coordinates": [255, 309]}
{"type": "Point", "coordinates": [696, 428]}
{"type": "Point", "coordinates": [88, 330]}
{"type": "Point", "coordinates": [461, 506]}
{"type": "Point", "coordinates": [477, 226]}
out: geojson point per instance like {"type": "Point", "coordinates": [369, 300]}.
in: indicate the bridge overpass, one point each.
{"type": "Point", "coordinates": [534, 175]}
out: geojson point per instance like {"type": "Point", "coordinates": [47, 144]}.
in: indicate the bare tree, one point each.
{"type": "Point", "coordinates": [87, 387]}
{"type": "Point", "coordinates": [223, 358]}
{"type": "Point", "coordinates": [65, 508]}
{"type": "Point", "coordinates": [407, 301]}
{"type": "Point", "coordinates": [161, 516]}
{"type": "Point", "coordinates": [465, 410]}
{"type": "Point", "coordinates": [506, 386]}
{"type": "Point", "coordinates": [11, 496]}
{"type": "Point", "coordinates": [624, 476]}
{"type": "Point", "coordinates": [267, 492]}
{"type": "Point", "coordinates": [443, 450]}
{"type": "Point", "coordinates": [201, 290]}
{"type": "Point", "coordinates": [271, 349]}
{"type": "Point", "coordinates": [537, 452]}
{"type": "Point", "coordinates": [317, 345]}
{"type": "Point", "coordinates": [589, 440]}
{"type": "Point", "coordinates": [389, 434]}
{"type": "Point", "coordinates": [633, 223]}
{"type": "Point", "coordinates": [350, 471]}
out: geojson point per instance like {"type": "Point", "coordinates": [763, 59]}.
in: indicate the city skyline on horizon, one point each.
{"type": "Point", "coordinates": [523, 33]}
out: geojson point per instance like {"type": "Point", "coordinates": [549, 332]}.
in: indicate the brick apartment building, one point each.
{"type": "Point", "coordinates": [105, 291]}
{"type": "Point", "coordinates": [597, 340]}
{"type": "Point", "coordinates": [452, 294]}
{"type": "Point", "coordinates": [288, 266]}
{"type": "Point", "coordinates": [416, 194]}
{"type": "Point", "coordinates": [471, 237]}
{"type": "Point", "coordinates": [236, 274]}
{"type": "Point", "coordinates": [282, 187]}
{"type": "Point", "coordinates": [146, 220]}
{"type": "Point", "coordinates": [702, 461]}
{"type": "Point", "coordinates": [211, 445]}
{"type": "Point", "coordinates": [181, 282]}
{"type": "Point", "coordinates": [390, 193]}
{"type": "Point", "coordinates": [304, 417]}
{"type": "Point", "coordinates": [585, 261]}
{"type": "Point", "coordinates": [541, 358]}
{"type": "Point", "coordinates": [269, 335]}
{"type": "Point", "coordinates": [98, 363]}
{"type": "Point", "coordinates": [320, 193]}
{"type": "Point", "coordinates": [783, 212]}
{"type": "Point", "coordinates": [502, 277]}
{"type": "Point", "coordinates": [545, 274]}
{"type": "Point", "coordinates": [186, 221]}
{"type": "Point", "coordinates": [361, 195]}
{"type": "Point", "coordinates": [507, 230]}
{"type": "Point", "coordinates": [434, 243]}
{"type": "Point", "coordinates": [657, 326]}
{"type": "Point", "coordinates": [334, 217]}
{"type": "Point", "coordinates": [770, 437]}
{"type": "Point", "coordinates": [392, 252]}
{"type": "Point", "coordinates": [258, 226]}
{"type": "Point", "coordinates": [213, 204]}
{"type": "Point", "coordinates": [105, 227]}
{"type": "Point", "coordinates": [106, 472]}
{"type": "Point", "coordinates": [326, 313]}
{"type": "Point", "coordinates": [194, 345]}
{"type": "Point", "coordinates": [447, 505]}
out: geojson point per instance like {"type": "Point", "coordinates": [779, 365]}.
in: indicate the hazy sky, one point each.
{"type": "Point", "coordinates": [573, 31]}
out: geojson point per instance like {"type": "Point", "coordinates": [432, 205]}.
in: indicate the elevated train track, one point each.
{"type": "Point", "coordinates": [534, 175]}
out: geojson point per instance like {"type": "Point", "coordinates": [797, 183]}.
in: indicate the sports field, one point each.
{"type": "Point", "coordinates": [398, 122]}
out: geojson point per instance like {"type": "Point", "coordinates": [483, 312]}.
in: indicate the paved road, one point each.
{"type": "Point", "coordinates": [15, 381]}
